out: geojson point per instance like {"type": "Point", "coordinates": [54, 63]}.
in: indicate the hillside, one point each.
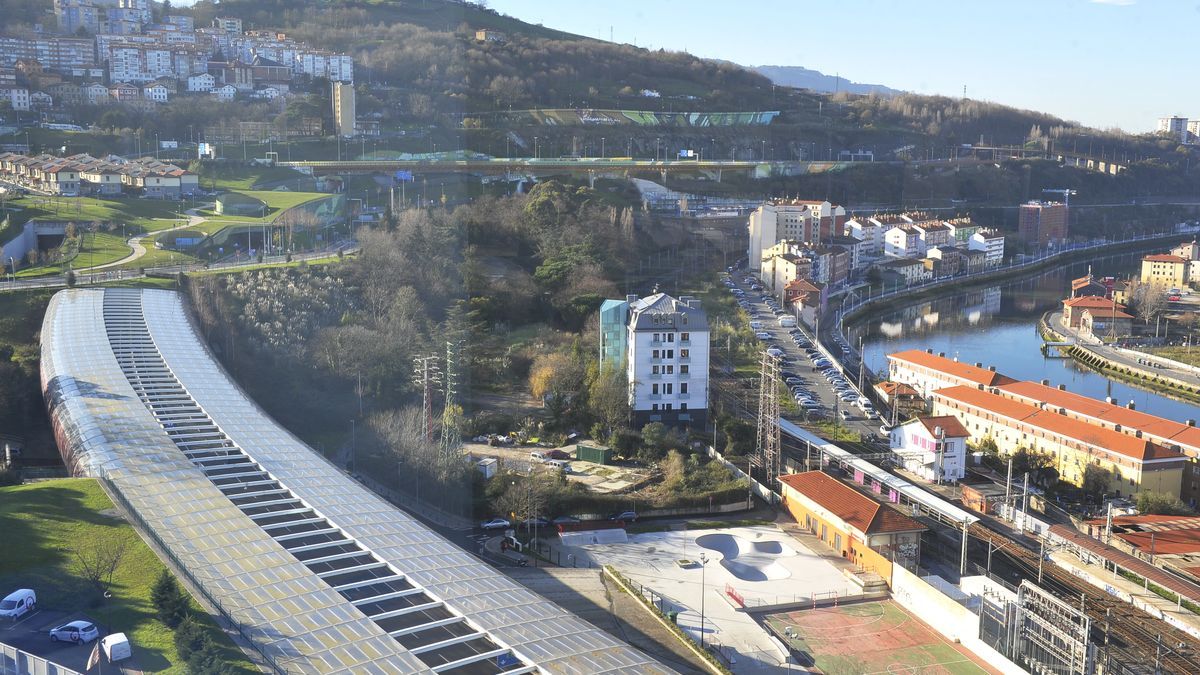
{"type": "Point", "coordinates": [804, 78]}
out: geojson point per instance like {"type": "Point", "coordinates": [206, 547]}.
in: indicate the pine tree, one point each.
{"type": "Point", "coordinates": [169, 600]}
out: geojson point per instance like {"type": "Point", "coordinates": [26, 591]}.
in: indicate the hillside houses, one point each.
{"type": "Point", "coordinates": [86, 175]}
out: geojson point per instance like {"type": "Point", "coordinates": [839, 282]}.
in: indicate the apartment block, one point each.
{"type": "Point", "coordinates": [667, 361]}
{"type": "Point", "coordinates": [806, 221]}
{"type": "Point", "coordinates": [1043, 223]}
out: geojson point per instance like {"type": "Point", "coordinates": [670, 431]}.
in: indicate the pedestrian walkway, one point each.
{"type": "Point", "coordinates": [1145, 365]}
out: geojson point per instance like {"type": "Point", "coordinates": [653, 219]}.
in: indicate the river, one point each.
{"type": "Point", "coordinates": [997, 326]}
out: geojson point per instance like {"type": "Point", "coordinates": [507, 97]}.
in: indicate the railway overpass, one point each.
{"type": "Point", "coordinates": [591, 167]}
{"type": "Point", "coordinates": [315, 571]}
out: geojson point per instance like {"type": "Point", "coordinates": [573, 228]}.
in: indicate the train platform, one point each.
{"type": "Point", "coordinates": [1138, 594]}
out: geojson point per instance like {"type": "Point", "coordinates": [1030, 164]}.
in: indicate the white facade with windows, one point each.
{"type": "Point", "coordinates": [934, 448]}
{"type": "Point", "coordinates": [991, 243]}
{"type": "Point", "coordinates": [667, 361]}
{"type": "Point", "coordinates": [904, 242]}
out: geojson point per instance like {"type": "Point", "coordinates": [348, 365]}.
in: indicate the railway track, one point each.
{"type": "Point", "coordinates": [1133, 637]}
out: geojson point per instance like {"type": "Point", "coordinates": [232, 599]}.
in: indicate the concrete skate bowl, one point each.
{"type": "Point", "coordinates": [749, 560]}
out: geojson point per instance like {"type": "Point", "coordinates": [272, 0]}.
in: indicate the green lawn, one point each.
{"type": "Point", "coordinates": [246, 177]}
{"type": "Point", "coordinates": [51, 520]}
{"type": "Point", "coordinates": [138, 214]}
{"type": "Point", "coordinates": [277, 203]}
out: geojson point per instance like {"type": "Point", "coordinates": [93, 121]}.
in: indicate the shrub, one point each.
{"type": "Point", "coordinates": [9, 477]}
{"type": "Point", "coordinates": [190, 638]}
{"type": "Point", "coordinates": [70, 278]}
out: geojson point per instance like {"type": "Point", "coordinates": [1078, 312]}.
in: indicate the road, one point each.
{"type": "Point", "coordinates": [59, 281]}
{"type": "Point", "coordinates": [800, 365]}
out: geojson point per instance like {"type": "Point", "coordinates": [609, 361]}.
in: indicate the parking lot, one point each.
{"type": "Point", "coordinates": [813, 381]}
{"type": "Point", "coordinates": [30, 633]}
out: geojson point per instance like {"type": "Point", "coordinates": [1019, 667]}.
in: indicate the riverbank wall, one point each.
{"type": "Point", "coordinates": [910, 294]}
{"type": "Point", "coordinates": [1145, 375]}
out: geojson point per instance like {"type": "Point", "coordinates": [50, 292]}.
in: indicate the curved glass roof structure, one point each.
{"type": "Point", "coordinates": [319, 573]}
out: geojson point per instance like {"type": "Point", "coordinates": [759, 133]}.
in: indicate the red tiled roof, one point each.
{"type": "Point", "coordinates": [1165, 542]}
{"type": "Point", "coordinates": [1164, 257]}
{"type": "Point", "coordinates": [951, 367]}
{"type": "Point", "coordinates": [1091, 434]}
{"type": "Point", "coordinates": [1091, 301]}
{"type": "Point", "coordinates": [949, 424]}
{"type": "Point", "coordinates": [1109, 413]}
{"type": "Point", "coordinates": [1153, 521]}
{"type": "Point", "coordinates": [858, 510]}
{"type": "Point", "coordinates": [890, 389]}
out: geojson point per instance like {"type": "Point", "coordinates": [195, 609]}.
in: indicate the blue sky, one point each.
{"type": "Point", "coordinates": [1104, 63]}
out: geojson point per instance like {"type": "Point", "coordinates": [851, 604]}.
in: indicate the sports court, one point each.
{"type": "Point", "coordinates": [871, 638]}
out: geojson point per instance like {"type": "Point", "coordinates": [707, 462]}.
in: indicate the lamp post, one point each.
{"type": "Point", "coordinates": [602, 155]}
{"type": "Point", "coordinates": [703, 563]}
{"type": "Point", "coordinates": [13, 263]}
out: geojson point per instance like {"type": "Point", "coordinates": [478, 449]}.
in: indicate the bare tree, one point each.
{"type": "Point", "coordinates": [98, 560]}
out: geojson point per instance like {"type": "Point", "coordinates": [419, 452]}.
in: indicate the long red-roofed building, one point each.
{"type": "Point", "coordinates": [1136, 463]}
{"type": "Point", "coordinates": [927, 372]}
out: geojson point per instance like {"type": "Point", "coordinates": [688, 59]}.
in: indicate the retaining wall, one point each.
{"type": "Point", "coordinates": [947, 617]}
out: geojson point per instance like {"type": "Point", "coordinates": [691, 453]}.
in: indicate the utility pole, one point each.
{"type": "Point", "coordinates": [426, 373]}
{"type": "Point", "coordinates": [1008, 489]}
{"type": "Point", "coordinates": [450, 433]}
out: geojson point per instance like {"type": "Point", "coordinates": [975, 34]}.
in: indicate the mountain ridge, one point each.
{"type": "Point", "coordinates": [815, 80]}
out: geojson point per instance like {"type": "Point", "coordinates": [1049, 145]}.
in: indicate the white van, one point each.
{"type": "Point", "coordinates": [537, 456]}
{"type": "Point", "coordinates": [18, 603]}
{"type": "Point", "coordinates": [787, 322]}
{"type": "Point", "coordinates": [756, 325]}
{"type": "Point", "coordinates": [116, 647]}
{"type": "Point", "coordinates": [560, 464]}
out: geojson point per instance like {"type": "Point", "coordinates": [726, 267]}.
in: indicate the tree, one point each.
{"type": "Point", "coordinates": [169, 600]}
{"type": "Point", "coordinates": [1096, 480]}
{"type": "Point", "coordinates": [608, 399]}
{"type": "Point", "coordinates": [97, 560]}
{"type": "Point", "coordinates": [1039, 465]}
{"type": "Point", "coordinates": [1163, 503]}
{"type": "Point", "coordinates": [657, 440]}
{"type": "Point", "coordinates": [1147, 301]}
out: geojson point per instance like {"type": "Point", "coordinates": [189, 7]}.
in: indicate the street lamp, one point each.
{"type": "Point", "coordinates": [703, 562]}
{"type": "Point", "coordinates": [602, 155]}
{"type": "Point", "coordinates": [13, 264]}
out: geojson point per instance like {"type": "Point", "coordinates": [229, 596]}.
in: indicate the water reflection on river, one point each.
{"type": "Point", "coordinates": [996, 326]}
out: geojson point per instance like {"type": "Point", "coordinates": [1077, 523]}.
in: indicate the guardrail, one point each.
{"type": "Point", "coordinates": [20, 662]}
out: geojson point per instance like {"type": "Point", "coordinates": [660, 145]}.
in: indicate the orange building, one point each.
{"type": "Point", "coordinates": [862, 530]}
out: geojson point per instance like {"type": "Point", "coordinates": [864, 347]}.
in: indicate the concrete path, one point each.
{"type": "Point", "coordinates": [135, 243]}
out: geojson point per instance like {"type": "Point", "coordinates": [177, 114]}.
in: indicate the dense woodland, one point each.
{"type": "Point", "coordinates": [512, 283]}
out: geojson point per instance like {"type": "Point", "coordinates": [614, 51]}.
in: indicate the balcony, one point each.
{"type": "Point", "coordinates": [654, 397]}
{"type": "Point", "coordinates": [683, 397]}
{"type": "Point", "coordinates": [656, 376]}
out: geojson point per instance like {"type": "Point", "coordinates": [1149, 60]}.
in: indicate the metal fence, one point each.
{"type": "Point", "coordinates": [14, 661]}
{"type": "Point", "coordinates": [223, 618]}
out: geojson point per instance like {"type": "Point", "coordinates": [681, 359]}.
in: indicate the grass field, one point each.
{"type": "Point", "coordinates": [277, 203]}
{"type": "Point", "coordinates": [871, 637]}
{"type": "Point", "coordinates": [247, 177]}
{"type": "Point", "coordinates": [146, 215]}
{"type": "Point", "coordinates": [53, 519]}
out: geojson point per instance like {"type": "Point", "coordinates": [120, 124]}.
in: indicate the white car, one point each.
{"type": "Point", "coordinates": [496, 524]}
{"type": "Point", "coordinates": [78, 632]}
{"type": "Point", "coordinates": [775, 351]}
{"type": "Point", "coordinates": [763, 336]}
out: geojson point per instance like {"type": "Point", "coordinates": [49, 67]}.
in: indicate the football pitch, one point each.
{"type": "Point", "coordinates": [871, 638]}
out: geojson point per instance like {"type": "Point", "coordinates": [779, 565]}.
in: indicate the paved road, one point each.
{"type": "Point", "coordinates": [1147, 364]}
{"type": "Point", "coordinates": [797, 362]}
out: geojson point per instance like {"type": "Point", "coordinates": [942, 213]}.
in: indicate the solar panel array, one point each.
{"type": "Point", "coordinates": [324, 573]}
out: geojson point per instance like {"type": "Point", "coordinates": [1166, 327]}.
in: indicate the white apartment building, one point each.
{"type": "Point", "coordinates": [935, 233]}
{"type": "Point", "coordinates": [806, 221]}
{"type": "Point", "coordinates": [903, 241]}
{"type": "Point", "coordinates": [95, 93]}
{"type": "Point", "coordinates": [201, 82]}
{"type": "Point", "coordinates": [1176, 126]}
{"type": "Point", "coordinates": [17, 97]}
{"type": "Point", "coordinates": [933, 448]}
{"type": "Point", "coordinates": [225, 93]}
{"type": "Point", "coordinates": [991, 243]}
{"type": "Point", "coordinates": [667, 361]}
{"type": "Point", "coordinates": [156, 92]}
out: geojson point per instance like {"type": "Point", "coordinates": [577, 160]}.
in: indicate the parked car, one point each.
{"type": "Point", "coordinates": [537, 456]}
{"type": "Point", "coordinates": [496, 524]}
{"type": "Point", "coordinates": [534, 522]}
{"type": "Point", "coordinates": [565, 520]}
{"type": "Point", "coordinates": [775, 351]}
{"type": "Point", "coordinates": [629, 516]}
{"type": "Point", "coordinates": [78, 632]}
{"type": "Point", "coordinates": [557, 454]}
{"type": "Point", "coordinates": [763, 336]}
{"type": "Point", "coordinates": [18, 603]}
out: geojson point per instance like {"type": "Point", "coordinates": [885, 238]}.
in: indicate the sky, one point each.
{"type": "Point", "coordinates": [1105, 63]}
